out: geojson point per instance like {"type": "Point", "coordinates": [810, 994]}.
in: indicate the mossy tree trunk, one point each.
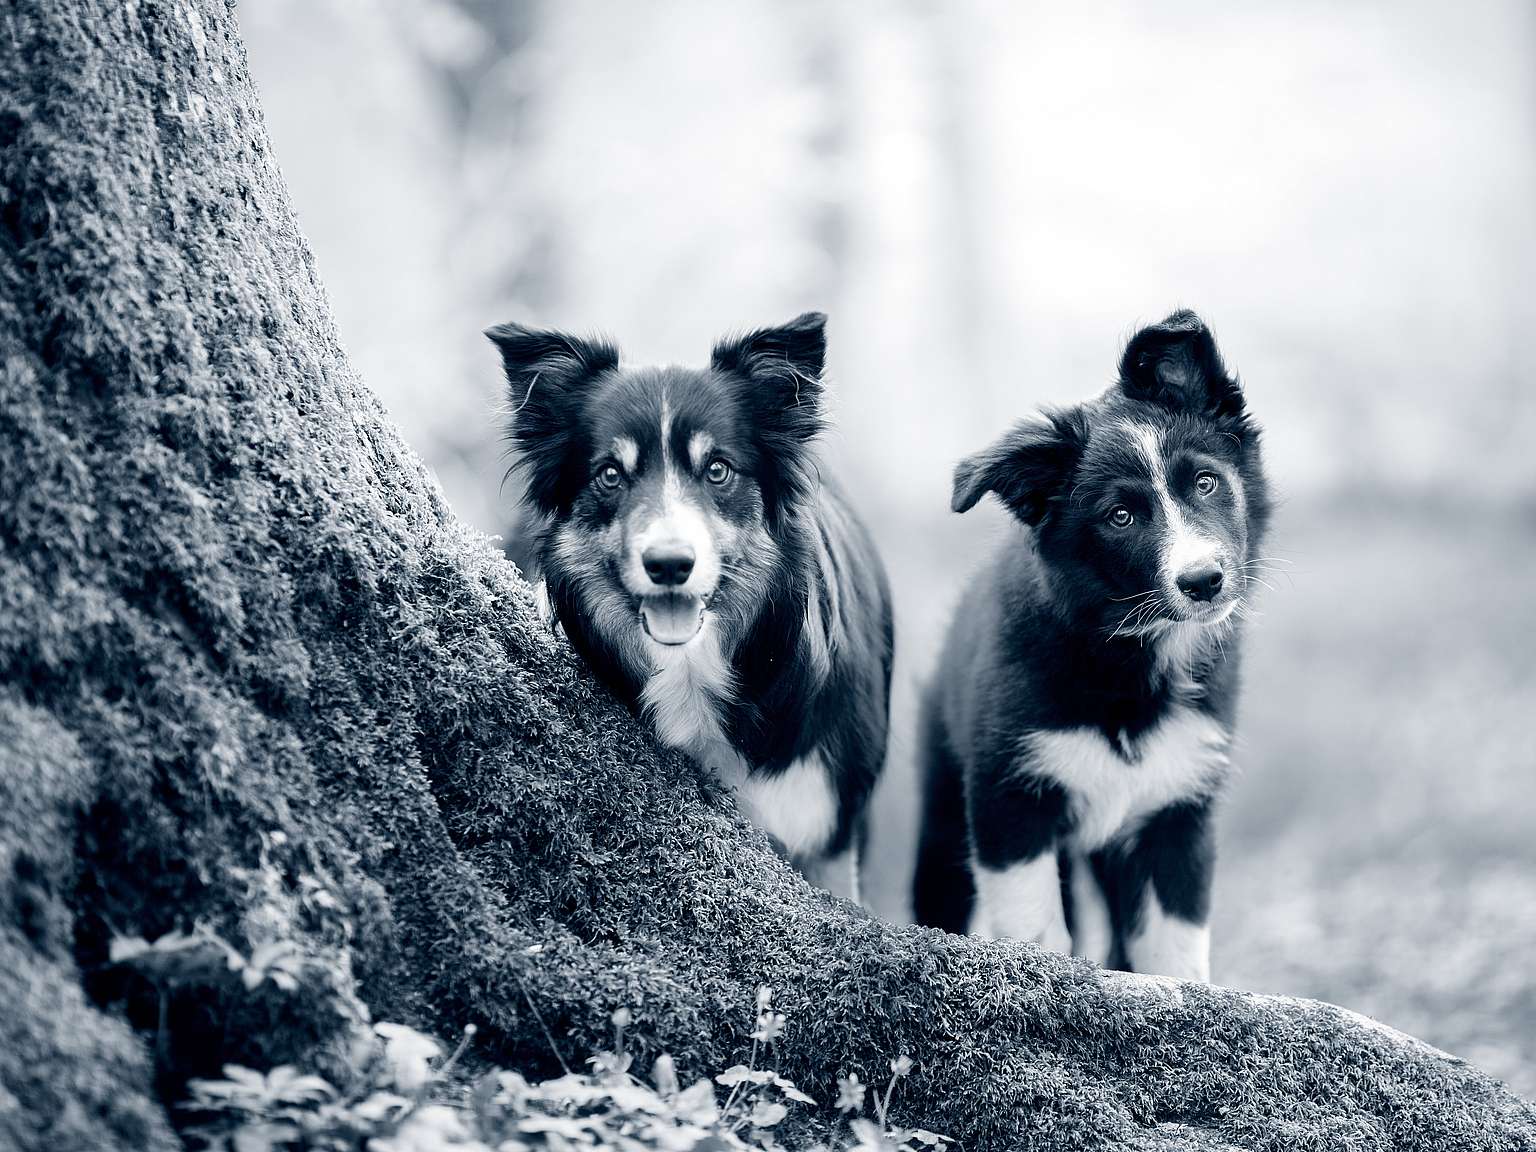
{"type": "Point", "coordinates": [255, 678]}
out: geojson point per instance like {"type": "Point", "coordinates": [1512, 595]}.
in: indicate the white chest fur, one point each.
{"type": "Point", "coordinates": [797, 807]}
{"type": "Point", "coordinates": [687, 686]}
{"type": "Point", "coordinates": [682, 699]}
{"type": "Point", "coordinates": [1110, 793]}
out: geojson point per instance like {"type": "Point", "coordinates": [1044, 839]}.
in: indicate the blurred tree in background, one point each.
{"type": "Point", "coordinates": [986, 197]}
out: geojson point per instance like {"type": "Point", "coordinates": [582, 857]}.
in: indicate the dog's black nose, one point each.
{"type": "Point", "coordinates": [668, 564]}
{"type": "Point", "coordinates": [1200, 584]}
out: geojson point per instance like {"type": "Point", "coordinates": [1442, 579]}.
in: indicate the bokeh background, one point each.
{"type": "Point", "coordinates": [987, 199]}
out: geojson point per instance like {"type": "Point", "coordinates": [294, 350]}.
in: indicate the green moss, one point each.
{"type": "Point", "coordinates": [248, 656]}
{"type": "Point", "coordinates": [64, 1065]}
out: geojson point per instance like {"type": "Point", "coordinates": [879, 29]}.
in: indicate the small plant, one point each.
{"type": "Point", "coordinates": [878, 1135]}
{"type": "Point", "coordinates": [759, 1098]}
{"type": "Point", "coordinates": [400, 1098]}
{"type": "Point", "coordinates": [247, 1111]}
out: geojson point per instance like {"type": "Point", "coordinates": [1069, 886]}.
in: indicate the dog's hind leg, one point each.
{"type": "Point", "coordinates": [1088, 914]}
{"type": "Point", "coordinates": [942, 891]}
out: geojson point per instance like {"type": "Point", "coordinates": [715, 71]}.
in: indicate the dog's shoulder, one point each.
{"type": "Point", "coordinates": [849, 612]}
{"type": "Point", "coordinates": [1000, 650]}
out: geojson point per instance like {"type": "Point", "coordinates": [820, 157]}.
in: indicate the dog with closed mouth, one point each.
{"type": "Point", "coordinates": [703, 568]}
{"type": "Point", "coordinates": [1078, 729]}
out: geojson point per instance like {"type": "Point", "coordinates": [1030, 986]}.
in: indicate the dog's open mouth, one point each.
{"type": "Point", "coordinates": [672, 617]}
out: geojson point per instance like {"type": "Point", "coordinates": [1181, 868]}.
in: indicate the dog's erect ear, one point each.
{"type": "Point", "coordinates": [1027, 467]}
{"type": "Point", "coordinates": [531, 356]}
{"type": "Point", "coordinates": [786, 360]}
{"type": "Point", "coordinates": [782, 371]}
{"type": "Point", "coordinates": [548, 375]}
{"type": "Point", "coordinates": [1176, 364]}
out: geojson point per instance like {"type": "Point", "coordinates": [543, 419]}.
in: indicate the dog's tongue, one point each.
{"type": "Point", "coordinates": [672, 618]}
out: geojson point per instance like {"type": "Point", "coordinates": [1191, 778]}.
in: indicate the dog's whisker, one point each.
{"type": "Point", "coordinates": [1148, 604]}
{"type": "Point", "coordinates": [1139, 617]}
{"type": "Point", "coordinates": [1265, 566]}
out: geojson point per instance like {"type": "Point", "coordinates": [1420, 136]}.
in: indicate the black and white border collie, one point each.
{"type": "Point", "coordinates": [1078, 728]}
{"type": "Point", "coordinates": [705, 571]}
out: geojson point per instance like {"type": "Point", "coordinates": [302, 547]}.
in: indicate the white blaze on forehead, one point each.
{"type": "Point", "coordinates": [674, 520]}
{"type": "Point", "coordinates": [671, 485]}
{"type": "Point", "coordinates": [1182, 548]}
{"type": "Point", "coordinates": [699, 445]}
{"type": "Point", "coordinates": [627, 453]}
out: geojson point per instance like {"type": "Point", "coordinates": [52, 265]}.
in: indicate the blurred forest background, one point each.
{"type": "Point", "coordinates": [987, 199]}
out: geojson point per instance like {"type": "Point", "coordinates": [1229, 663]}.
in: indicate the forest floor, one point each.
{"type": "Point", "coordinates": [1379, 843]}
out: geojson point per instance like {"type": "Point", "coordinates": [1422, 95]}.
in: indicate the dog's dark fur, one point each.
{"type": "Point", "coordinates": [697, 561]}
{"type": "Point", "coordinates": [1075, 735]}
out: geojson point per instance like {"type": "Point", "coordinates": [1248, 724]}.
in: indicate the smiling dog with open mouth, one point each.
{"type": "Point", "coordinates": [710, 577]}
{"type": "Point", "coordinates": [1078, 727]}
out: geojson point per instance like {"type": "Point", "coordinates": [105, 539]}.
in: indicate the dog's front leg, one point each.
{"type": "Point", "coordinates": [1169, 934]}
{"type": "Point", "coordinates": [1022, 901]}
{"type": "Point", "coordinates": [1015, 823]}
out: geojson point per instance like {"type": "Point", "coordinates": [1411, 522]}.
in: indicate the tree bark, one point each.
{"type": "Point", "coordinates": [257, 679]}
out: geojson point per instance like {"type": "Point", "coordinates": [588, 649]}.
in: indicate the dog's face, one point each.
{"type": "Point", "coordinates": [1146, 502]}
{"type": "Point", "coordinates": [665, 488]}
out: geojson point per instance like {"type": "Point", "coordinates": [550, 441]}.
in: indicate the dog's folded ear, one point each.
{"type": "Point", "coordinates": [548, 374]}
{"type": "Point", "coordinates": [787, 360]}
{"type": "Point", "coordinates": [1027, 467]}
{"type": "Point", "coordinates": [1176, 364]}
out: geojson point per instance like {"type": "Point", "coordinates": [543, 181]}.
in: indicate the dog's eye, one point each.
{"type": "Point", "coordinates": [718, 472]}
{"type": "Point", "coordinates": [1120, 517]}
{"type": "Point", "coordinates": [1206, 483]}
{"type": "Point", "coordinates": [609, 477]}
